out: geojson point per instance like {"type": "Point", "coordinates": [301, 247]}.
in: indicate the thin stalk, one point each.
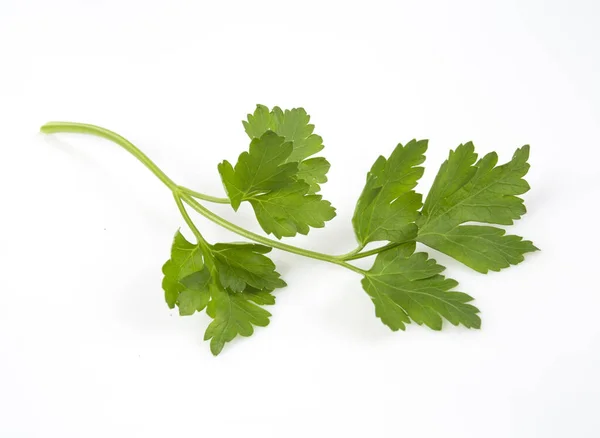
{"type": "Point", "coordinates": [374, 251]}
{"type": "Point", "coordinates": [82, 128]}
{"type": "Point", "coordinates": [261, 239]}
{"type": "Point", "coordinates": [188, 220]}
{"type": "Point", "coordinates": [185, 195]}
{"type": "Point", "coordinates": [204, 197]}
{"type": "Point", "coordinates": [350, 254]}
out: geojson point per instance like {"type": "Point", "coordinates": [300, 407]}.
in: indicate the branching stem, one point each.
{"type": "Point", "coordinates": [188, 220]}
{"type": "Point", "coordinates": [204, 197]}
{"type": "Point", "coordinates": [183, 194]}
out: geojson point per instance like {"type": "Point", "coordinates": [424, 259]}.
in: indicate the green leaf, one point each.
{"type": "Point", "coordinates": [232, 282]}
{"type": "Point", "coordinates": [454, 173]}
{"type": "Point", "coordinates": [313, 172]}
{"type": "Point", "coordinates": [260, 170]}
{"type": "Point", "coordinates": [171, 284]}
{"type": "Point", "coordinates": [186, 259]}
{"type": "Point", "coordinates": [481, 248]}
{"type": "Point", "coordinates": [482, 192]}
{"type": "Point", "coordinates": [286, 212]}
{"type": "Point", "coordinates": [242, 265]}
{"type": "Point", "coordinates": [235, 314]}
{"type": "Point", "coordinates": [189, 293]}
{"type": "Point", "coordinates": [292, 124]}
{"type": "Point", "coordinates": [279, 181]}
{"type": "Point", "coordinates": [406, 286]}
{"type": "Point", "coordinates": [388, 207]}
{"type": "Point", "coordinates": [259, 122]}
{"type": "Point", "coordinates": [195, 294]}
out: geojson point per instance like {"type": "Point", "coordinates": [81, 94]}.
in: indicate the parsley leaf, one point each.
{"type": "Point", "coordinates": [235, 314]}
{"type": "Point", "coordinates": [260, 170]}
{"type": "Point", "coordinates": [232, 281]}
{"type": "Point", "coordinates": [185, 256]}
{"type": "Point", "coordinates": [388, 207]}
{"type": "Point", "coordinates": [186, 259]}
{"type": "Point", "coordinates": [313, 172]}
{"type": "Point", "coordinates": [466, 191]}
{"type": "Point", "coordinates": [243, 264]}
{"type": "Point", "coordinates": [195, 295]}
{"type": "Point", "coordinates": [286, 212]}
{"type": "Point", "coordinates": [189, 293]}
{"type": "Point", "coordinates": [275, 176]}
{"type": "Point", "coordinates": [292, 124]}
{"type": "Point", "coordinates": [406, 286]}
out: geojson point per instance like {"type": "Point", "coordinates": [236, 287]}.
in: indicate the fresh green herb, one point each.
{"type": "Point", "coordinates": [274, 175]}
{"type": "Point", "coordinates": [280, 179]}
{"type": "Point", "coordinates": [465, 191]}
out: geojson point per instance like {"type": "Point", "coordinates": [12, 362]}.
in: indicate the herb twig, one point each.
{"type": "Point", "coordinates": [280, 177]}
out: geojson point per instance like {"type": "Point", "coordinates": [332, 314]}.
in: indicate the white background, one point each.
{"type": "Point", "coordinates": [88, 347]}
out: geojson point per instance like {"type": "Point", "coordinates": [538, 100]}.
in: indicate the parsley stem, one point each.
{"type": "Point", "coordinates": [350, 254]}
{"type": "Point", "coordinates": [188, 220]}
{"type": "Point", "coordinates": [203, 196]}
{"type": "Point", "coordinates": [373, 251]}
{"type": "Point", "coordinates": [187, 195]}
{"type": "Point", "coordinates": [83, 128]}
{"type": "Point", "coordinates": [264, 240]}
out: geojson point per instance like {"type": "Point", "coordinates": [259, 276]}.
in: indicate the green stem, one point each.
{"type": "Point", "coordinates": [185, 195]}
{"type": "Point", "coordinates": [350, 254]}
{"type": "Point", "coordinates": [264, 240]}
{"type": "Point", "coordinates": [188, 220]}
{"type": "Point", "coordinates": [203, 196]}
{"type": "Point", "coordinates": [82, 128]}
{"type": "Point", "coordinates": [374, 251]}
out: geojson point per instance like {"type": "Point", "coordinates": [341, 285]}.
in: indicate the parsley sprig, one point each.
{"type": "Point", "coordinates": [280, 177]}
